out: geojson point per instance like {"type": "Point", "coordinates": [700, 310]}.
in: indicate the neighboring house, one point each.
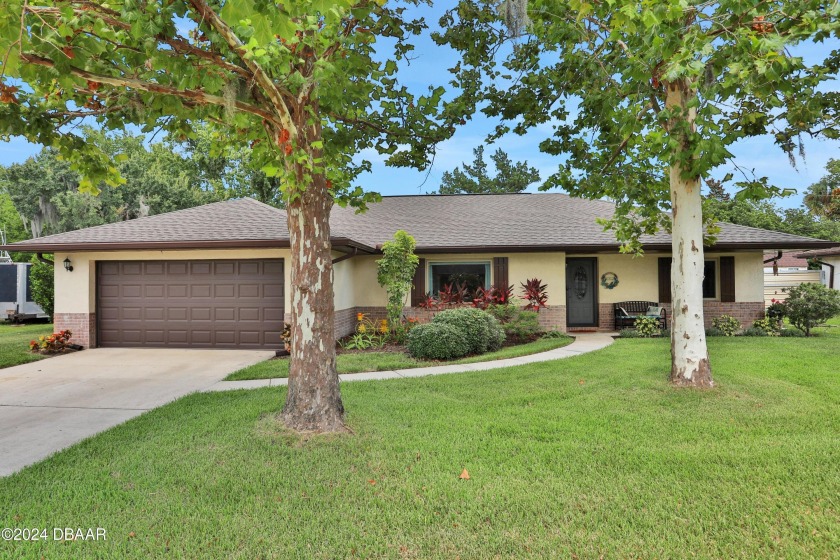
{"type": "Point", "coordinates": [784, 270]}
{"type": "Point", "coordinates": [830, 260]}
{"type": "Point", "coordinates": [217, 275]}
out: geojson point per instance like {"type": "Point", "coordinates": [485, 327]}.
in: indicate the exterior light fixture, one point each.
{"type": "Point", "coordinates": [67, 266]}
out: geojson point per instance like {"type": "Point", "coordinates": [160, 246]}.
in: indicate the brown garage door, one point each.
{"type": "Point", "coordinates": [190, 304]}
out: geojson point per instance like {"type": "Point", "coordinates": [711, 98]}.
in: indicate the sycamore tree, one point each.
{"type": "Point", "coordinates": [299, 82]}
{"type": "Point", "coordinates": [645, 99]}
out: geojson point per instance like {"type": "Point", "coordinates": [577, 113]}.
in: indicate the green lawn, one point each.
{"type": "Point", "coordinates": [588, 456]}
{"type": "Point", "coordinates": [386, 361]}
{"type": "Point", "coordinates": [14, 342]}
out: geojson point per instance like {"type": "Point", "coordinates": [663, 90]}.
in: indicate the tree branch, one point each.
{"type": "Point", "coordinates": [191, 95]}
{"type": "Point", "coordinates": [178, 46]}
{"type": "Point", "coordinates": [260, 76]}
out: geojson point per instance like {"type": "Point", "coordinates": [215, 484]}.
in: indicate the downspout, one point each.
{"type": "Point", "coordinates": [347, 256]}
{"type": "Point", "coordinates": [775, 261]}
{"type": "Point", "coordinates": [43, 259]}
{"type": "Point", "coordinates": [830, 271]}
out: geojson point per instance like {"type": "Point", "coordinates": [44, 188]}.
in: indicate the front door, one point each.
{"type": "Point", "coordinates": [582, 292]}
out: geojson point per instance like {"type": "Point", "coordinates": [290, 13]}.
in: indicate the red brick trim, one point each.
{"type": "Point", "coordinates": [81, 325]}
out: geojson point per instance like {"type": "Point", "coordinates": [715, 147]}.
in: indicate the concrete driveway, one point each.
{"type": "Point", "coordinates": [51, 404]}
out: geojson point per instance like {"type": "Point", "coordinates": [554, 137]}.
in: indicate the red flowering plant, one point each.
{"type": "Point", "coordinates": [483, 298]}
{"type": "Point", "coordinates": [429, 302]}
{"type": "Point", "coordinates": [534, 293]}
{"type": "Point", "coordinates": [453, 294]}
{"type": "Point", "coordinates": [51, 344]}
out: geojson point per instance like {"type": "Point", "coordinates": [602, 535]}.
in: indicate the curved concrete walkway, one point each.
{"type": "Point", "coordinates": [584, 342]}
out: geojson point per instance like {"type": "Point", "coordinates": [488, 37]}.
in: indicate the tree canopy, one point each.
{"type": "Point", "coordinates": [305, 85]}
{"type": "Point", "coordinates": [823, 197]}
{"type": "Point", "coordinates": [511, 177]}
{"type": "Point", "coordinates": [644, 100]}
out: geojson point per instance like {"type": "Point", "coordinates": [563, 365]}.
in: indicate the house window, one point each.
{"type": "Point", "coordinates": [710, 280]}
{"type": "Point", "coordinates": [469, 275]}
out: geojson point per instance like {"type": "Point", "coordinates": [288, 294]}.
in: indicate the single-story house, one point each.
{"type": "Point", "coordinates": [829, 258]}
{"type": "Point", "coordinates": [217, 275]}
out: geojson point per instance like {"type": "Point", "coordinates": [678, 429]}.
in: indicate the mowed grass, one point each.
{"type": "Point", "coordinates": [386, 361]}
{"type": "Point", "coordinates": [14, 342]}
{"type": "Point", "coordinates": [586, 457]}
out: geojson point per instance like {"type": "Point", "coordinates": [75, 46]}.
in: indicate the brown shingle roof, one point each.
{"type": "Point", "coordinates": [447, 223]}
{"type": "Point", "coordinates": [517, 221]}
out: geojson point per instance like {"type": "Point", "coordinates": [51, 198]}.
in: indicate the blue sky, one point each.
{"type": "Point", "coordinates": [429, 67]}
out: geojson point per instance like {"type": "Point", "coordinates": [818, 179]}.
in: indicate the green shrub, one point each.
{"type": "Point", "coordinates": [792, 333]}
{"type": "Point", "coordinates": [768, 325]}
{"type": "Point", "coordinates": [554, 334]}
{"type": "Point", "coordinates": [41, 281]}
{"type": "Point", "coordinates": [647, 327]}
{"type": "Point", "coordinates": [504, 312]}
{"type": "Point", "coordinates": [727, 324]}
{"type": "Point", "coordinates": [495, 333]}
{"type": "Point", "coordinates": [753, 331]}
{"type": "Point", "coordinates": [629, 333]}
{"type": "Point", "coordinates": [524, 326]}
{"type": "Point", "coordinates": [809, 305]}
{"type": "Point", "coordinates": [476, 327]}
{"type": "Point", "coordinates": [714, 332]}
{"type": "Point", "coordinates": [437, 341]}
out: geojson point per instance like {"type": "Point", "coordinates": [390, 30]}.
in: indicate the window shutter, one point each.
{"type": "Point", "coordinates": [727, 279]}
{"type": "Point", "coordinates": [500, 272]}
{"type": "Point", "coordinates": [418, 285]}
{"type": "Point", "coordinates": [665, 280]}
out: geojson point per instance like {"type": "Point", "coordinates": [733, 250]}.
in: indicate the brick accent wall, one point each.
{"type": "Point", "coordinates": [82, 325]}
{"type": "Point", "coordinates": [553, 317]}
{"type": "Point", "coordinates": [745, 311]}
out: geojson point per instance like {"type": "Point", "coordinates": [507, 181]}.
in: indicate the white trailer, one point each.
{"type": "Point", "coordinates": [16, 293]}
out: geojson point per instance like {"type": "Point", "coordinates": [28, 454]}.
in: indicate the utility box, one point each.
{"type": "Point", "coordinates": [16, 293]}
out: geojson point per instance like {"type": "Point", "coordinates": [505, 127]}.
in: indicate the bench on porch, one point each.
{"type": "Point", "coordinates": [626, 313]}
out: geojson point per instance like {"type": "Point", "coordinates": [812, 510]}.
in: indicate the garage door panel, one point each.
{"type": "Point", "coordinates": [202, 304]}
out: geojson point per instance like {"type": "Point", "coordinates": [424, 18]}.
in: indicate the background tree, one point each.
{"type": "Point", "coordinates": [474, 179]}
{"type": "Point", "coordinates": [45, 190]}
{"type": "Point", "coordinates": [300, 83]}
{"type": "Point", "coordinates": [42, 285]}
{"type": "Point", "coordinates": [645, 99]}
{"type": "Point", "coordinates": [823, 197]}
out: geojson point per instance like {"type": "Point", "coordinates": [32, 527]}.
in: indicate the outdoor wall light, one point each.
{"type": "Point", "coordinates": [67, 266]}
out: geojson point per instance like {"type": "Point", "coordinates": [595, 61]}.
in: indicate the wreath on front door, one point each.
{"type": "Point", "coordinates": [609, 280]}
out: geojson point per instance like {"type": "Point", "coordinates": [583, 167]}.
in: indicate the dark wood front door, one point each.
{"type": "Point", "coordinates": [582, 292]}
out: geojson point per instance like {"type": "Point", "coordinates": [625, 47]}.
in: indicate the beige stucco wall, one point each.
{"type": "Point", "coordinates": [356, 284]}
{"type": "Point", "coordinates": [75, 292]}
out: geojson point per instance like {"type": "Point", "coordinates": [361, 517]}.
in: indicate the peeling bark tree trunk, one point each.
{"type": "Point", "coordinates": [313, 401]}
{"type": "Point", "coordinates": [689, 354]}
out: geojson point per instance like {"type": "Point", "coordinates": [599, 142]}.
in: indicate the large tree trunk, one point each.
{"type": "Point", "coordinates": [313, 402]}
{"type": "Point", "coordinates": [689, 354]}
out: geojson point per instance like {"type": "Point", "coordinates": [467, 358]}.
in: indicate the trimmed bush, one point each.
{"type": "Point", "coordinates": [647, 327]}
{"type": "Point", "coordinates": [714, 332]}
{"type": "Point", "coordinates": [727, 324]}
{"type": "Point", "coordinates": [524, 326]}
{"type": "Point", "coordinates": [753, 331]}
{"type": "Point", "coordinates": [495, 333]}
{"type": "Point", "coordinates": [476, 327]}
{"type": "Point", "coordinates": [554, 334]}
{"type": "Point", "coordinates": [768, 325]}
{"type": "Point", "coordinates": [437, 341]}
{"type": "Point", "coordinates": [629, 333]}
{"type": "Point", "coordinates": [791, 333]}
